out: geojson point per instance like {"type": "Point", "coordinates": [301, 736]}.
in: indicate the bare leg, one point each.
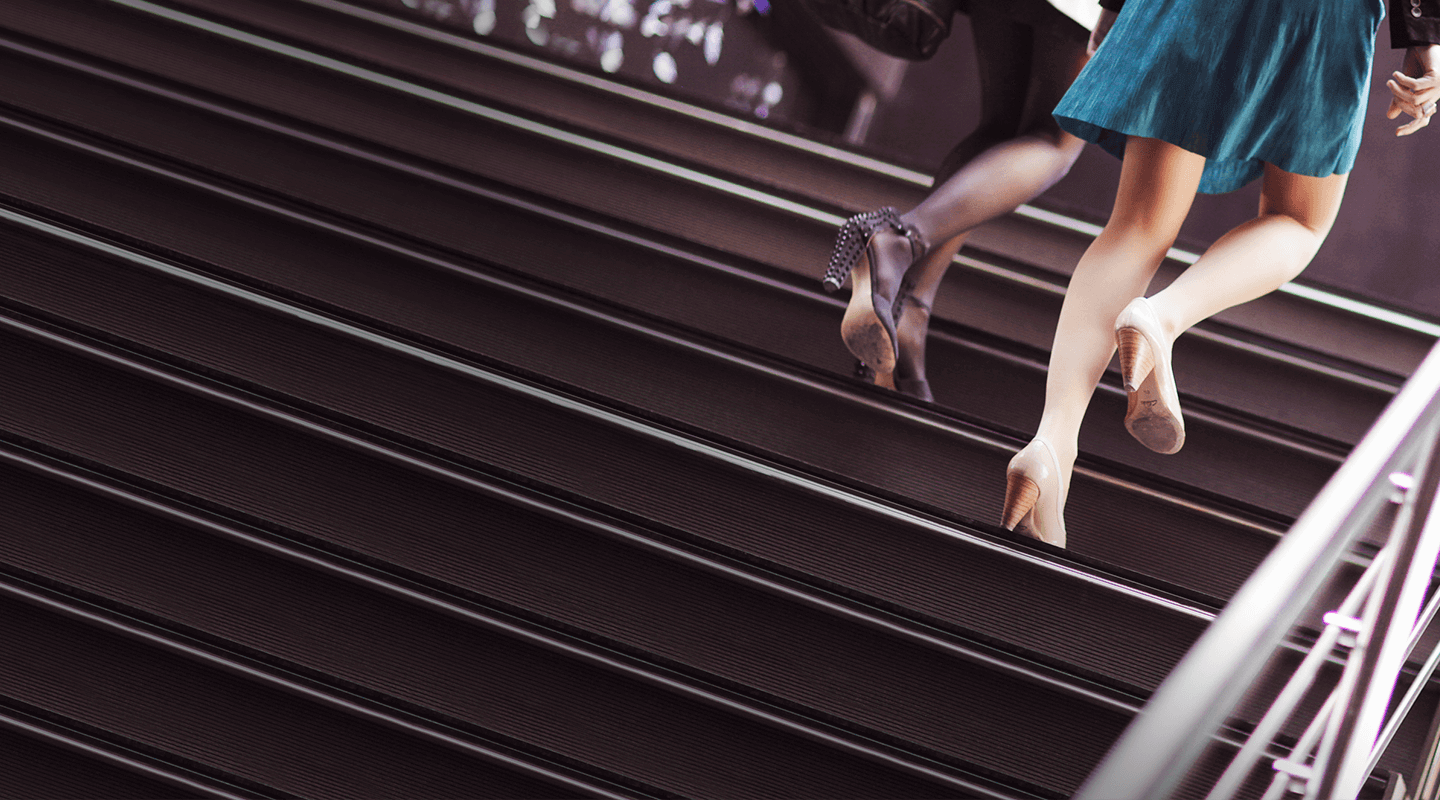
{"type": "Point", "coordinates": [1157, 185]}
{"type": "Point", "coordinates": [1256, 258]}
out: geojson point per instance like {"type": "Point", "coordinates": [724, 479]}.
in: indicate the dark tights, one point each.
{"type": "Point", "coordinates": [1015, 153]}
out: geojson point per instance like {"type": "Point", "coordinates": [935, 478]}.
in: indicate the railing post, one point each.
{"type": "Point", "coordinates": [1388, 641]}
{"type": "Point", "coordinates": [1427, 771]}
{"type": "Point", "coordinates": [1161, 744]}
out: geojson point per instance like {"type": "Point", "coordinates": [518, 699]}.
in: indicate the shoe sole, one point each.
{"type": "Point", "coordinates": [1147, 416]}
{"type": "Point", "coordinates": [1150, 422]}
{"type": "Point", "coordinates": [865, 336]}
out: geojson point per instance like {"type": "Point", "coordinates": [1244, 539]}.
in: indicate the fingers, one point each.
{"type": "Point", "coordinates": [1422, 120]}
{"type": "Point", "coordinates": [1404, 95]}
{"type": "Point", "coordinates": [1415, 105]}
{"type": "Point", "coordinates": [1412, 126]}
{"type": "Point", "coordinates": [1414, 93]}
{"type": "Point", "coordinates": [1413, 84]}
{"type": "Point", "coordinates": [1418, 104]}
{"type": "Point", "coordinates": [1418, 95]}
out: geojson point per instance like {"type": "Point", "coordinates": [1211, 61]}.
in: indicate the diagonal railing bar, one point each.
{"type": "Point", "coordinates": [1165, 740]}
{"type": "Point", "coordinates": [1289, 697]}
{"type": "Point", "coordinates": [1422, 677]}
{"type": "Point", "coordinates": [1384, 654]}
{"type": "Point", "coordinates": [1287, 772]}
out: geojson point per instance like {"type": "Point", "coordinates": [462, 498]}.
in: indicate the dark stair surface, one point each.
{"type": "Point", "coordinates": [387, 415]}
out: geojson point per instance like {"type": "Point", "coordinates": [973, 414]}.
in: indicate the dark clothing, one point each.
{"type": "Point", "coordinates": [1412, 22]}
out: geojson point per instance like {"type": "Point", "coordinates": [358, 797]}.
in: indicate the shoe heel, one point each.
{"type": "Point", "coordinates": [849, 243]}
{"type": "Point", "coordinates": [1034, 498]}
{"type": "Point", "coordinates": [1137, 360]}
{"type": "Point", "coordinates": [1020, 495]}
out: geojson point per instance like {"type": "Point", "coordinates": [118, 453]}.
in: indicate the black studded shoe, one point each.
{"type": "Point", "coordinates": [912, 324]}
{"type": "Point", "coordinates": [869, 324]}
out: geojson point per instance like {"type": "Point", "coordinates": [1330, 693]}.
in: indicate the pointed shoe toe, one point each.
{"type": "Point", "coordinates": [1034, 498]}
{"type": "Point", "coordinates": [1152, 413]}
{"type": "Point", "coordinates": [912, 326]}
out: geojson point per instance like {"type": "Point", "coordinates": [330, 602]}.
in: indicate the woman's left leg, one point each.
{"type": "Point", "coordinates": [1157, 186]}
{"type": "Point", "coordinates": [1257, 257]}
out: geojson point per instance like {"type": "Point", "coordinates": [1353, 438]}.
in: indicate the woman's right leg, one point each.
{"type": "Point", "coordinates": [1157, 185]}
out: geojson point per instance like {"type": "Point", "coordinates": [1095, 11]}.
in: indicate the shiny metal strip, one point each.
{"type": "Point", "coordinates": [678, 107]}
{"type": "Point", "coordinates": [749, 464]}
{"type": "Point", "coordinates": [1422, 679]}
{"type": "Point", "coordinates": [1312, 294]}
{"type": "Point", "coordinates": [58, 739]}
{"type": "Point", "coordinates": [524, 633]}
{"type": "Point", "coordinates": [580, 519]}
{"type": "Point", "coordinates": [494, 115]}
{"type": "Point", "coordinates": [277, 681]}
{"type": "Point", "coordinates": [928, 420]}
{"type": "Point", "coordinates": [1157, 749]}
{"type": "Point", "coordinates": [1295, 688]}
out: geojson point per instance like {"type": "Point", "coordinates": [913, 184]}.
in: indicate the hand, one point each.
{"type": "Point", "coordinates": [1102, 27]}
{"type": "Point", "coordinates": [1416, 88]}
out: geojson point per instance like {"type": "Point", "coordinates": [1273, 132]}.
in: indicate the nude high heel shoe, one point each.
{"type": "Point", "coordinates": [875, 271]}
{"type": "Point", "coordinates": [1153, 413]}
{"type": "Point", "coordinates": [1034, 498]}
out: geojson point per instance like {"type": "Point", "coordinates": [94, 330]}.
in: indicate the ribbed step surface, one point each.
{"type": "Point", "coordinates": [1217, 461]}
{"type": "Point", "coordinates": [372, 462]}
{"type": "Point", "coordinates": [773, 412]}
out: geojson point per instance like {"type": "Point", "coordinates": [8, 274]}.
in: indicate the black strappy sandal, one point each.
{"type": "Point", "coordinates": [910, 361]}
{"type": "Point", "coordinates": [869, 324]}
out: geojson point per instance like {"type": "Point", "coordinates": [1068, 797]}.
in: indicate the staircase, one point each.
{"type": "Point", "coordinates": [389, 415]}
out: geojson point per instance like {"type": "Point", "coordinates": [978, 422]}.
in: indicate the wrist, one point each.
{"type": "Point", "coordinates": [1427, 57]}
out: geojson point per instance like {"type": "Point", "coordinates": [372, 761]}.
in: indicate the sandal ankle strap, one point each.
{"type": "Point", "coordinates": [856, 233]}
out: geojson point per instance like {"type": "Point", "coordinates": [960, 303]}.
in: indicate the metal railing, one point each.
{"type": "Point", "coordinates": [1368, 638]}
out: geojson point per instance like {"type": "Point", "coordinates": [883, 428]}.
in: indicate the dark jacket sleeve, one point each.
{"type": "Point", "coordinates": [1414, 22]}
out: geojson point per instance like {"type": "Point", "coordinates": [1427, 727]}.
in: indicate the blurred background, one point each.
{"type": "Point", "coordinates": [770, 62]}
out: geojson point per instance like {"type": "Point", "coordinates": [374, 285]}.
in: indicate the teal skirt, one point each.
{"type": "Point", "coordinates": [1241, 82]}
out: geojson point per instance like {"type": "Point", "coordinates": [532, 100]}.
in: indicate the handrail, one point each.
{"type": "Point", "coordinates": [1165, 740]}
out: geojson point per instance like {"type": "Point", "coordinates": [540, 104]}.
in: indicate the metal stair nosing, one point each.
{"type": "Point", "coordinates": [529, 311]}
{"type": "Point", "coordinates": [1320, 470]}
{"type": "Point", "coordinates": [194, 529]}
{"type": "Point", "coordinates": [791, 164]}
{"type": "Point", "coordinates": [53, 674]}
{"type": "Point", "coordinates": [1031, 238]}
